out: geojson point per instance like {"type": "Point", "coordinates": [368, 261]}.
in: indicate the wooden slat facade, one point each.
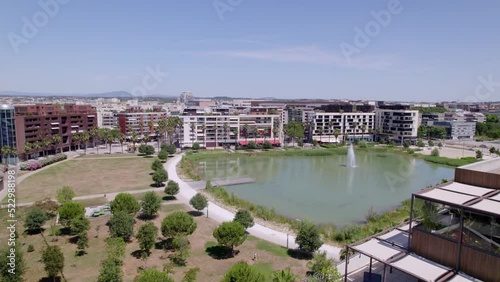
{"type": "Point", "coordinates": [477, 178]}
{"type": "Point", "coordinates": [473, 262]}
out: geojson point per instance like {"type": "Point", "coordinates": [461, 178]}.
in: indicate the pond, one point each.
{"type": "Point", "coordinates": [322, 188]}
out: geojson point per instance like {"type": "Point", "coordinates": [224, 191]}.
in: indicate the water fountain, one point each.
{"type": "Point", "coordinates": [351, 159]}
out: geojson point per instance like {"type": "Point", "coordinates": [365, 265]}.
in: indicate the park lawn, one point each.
{"type": "Point", "coordinates": [87, 177]}
{"type": "Point", "coordinates": [104, 156]}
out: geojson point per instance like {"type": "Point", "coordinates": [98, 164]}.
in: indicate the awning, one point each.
{"type": "Point", "coordinates": [379, 250]}
{"type": "Point", "coordinates": [245, 142]}
{"type": "Point", "coordinates": [447, 196]}
{"type": "Point", "coordinates": [466, 189]}
{"type": "Point", "coordinates": [420, 267]}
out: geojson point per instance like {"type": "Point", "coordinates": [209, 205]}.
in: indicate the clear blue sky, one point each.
{"type": "Point", "coordinates": [430, 50]}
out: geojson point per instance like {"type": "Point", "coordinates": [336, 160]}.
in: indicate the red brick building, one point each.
{"type": "Point", "coordinates": [37, 122]}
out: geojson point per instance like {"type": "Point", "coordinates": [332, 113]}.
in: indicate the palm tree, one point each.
{"type": "Point", "coordinates": [146, 138]}
{"type": "Point", "coordinates": [46, 143]}
{"type": "Point", "coordinates": [355, 125]}
{"type": "Point", "coordinates": [245, 127]}
{"type": "Point", "coordinates": [162, 125]}
{"type": "Point", "coordinates": [276, 130]}
{"type": "Point", "coordinates": [28, 146]}
{"type": "Point", "coordinates": [157, 131]}
{"type": "Point", "coordinates": [56, 139]}
{"type": "Point", "coordinates": [134, 138]}
{"type": "Point", "coordinates": [363, 129]}
{"type": "Point", "coordinates": [203, 128]}
{"type": "Point", "coordinates": [94, 133]}
{"type": "Point", "coordinates": [121, 138]}
{"type": "Point", "coordinates": [336, 133]}
{"type": "Point", "coordinates": [85, 137]}
{"type": "Point", "coordinates": [235, 133]}
{"type": "Point", "coordinates": [370, 132]}
{"type": "Point", "coordinates": [110, 138]}
{"type": "Point", "coordinates": [5, 151]}
{"type": "Point", "coordinates": [330, 127]}
{"type": "Point", "coordinates": [225, 127]}
{"type": "Point", "coordinates": [76, 138]}
{"type": "Point", "coordinates": [150, 125]}
{"type": "Point", "coordinates": [320, 131]}
{"type": "Point", "coordinates": [255, 132]}
{"type": "Point", "coordinates": [37, 146]}
{"type": "Point", "coordinates": [193, 131]}
{"type": "Point", "coordinates": [141, 126]}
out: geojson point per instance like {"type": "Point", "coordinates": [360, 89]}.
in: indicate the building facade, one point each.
{"type": "Point", "coordinates": [35, 124]}
{"type": "Point", "coordinates": [213, 131]}
{"type": "Point", "coordinates": [458, 130]}
{"type": "Point", "coordinates": [8, 132]}
{"type": "Point", "coordinates": [396, 124]}
{"type": "Point", "coordinates": [338, 127]}
{"type": "Point", "coordinates": [139, 121]}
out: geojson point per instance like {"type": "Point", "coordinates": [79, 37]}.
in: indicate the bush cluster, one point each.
{"type": "Point", "coordinates": [41, 162]}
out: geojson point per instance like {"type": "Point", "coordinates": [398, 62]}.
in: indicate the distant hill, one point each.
{"type": "Point", "coordinates": [111, 94]}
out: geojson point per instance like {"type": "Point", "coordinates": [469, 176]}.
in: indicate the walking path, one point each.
{"type": "Point", "coordinates": [220, 214]}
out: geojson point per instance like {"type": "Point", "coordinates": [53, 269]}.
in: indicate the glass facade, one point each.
{"type": "Point", "coordinates": [7, 132]}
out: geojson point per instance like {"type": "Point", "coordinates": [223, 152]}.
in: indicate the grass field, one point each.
{"type": "Point", "coordinates": [87, 177]}
{"type": "Point", "coordinates": [86, 267]}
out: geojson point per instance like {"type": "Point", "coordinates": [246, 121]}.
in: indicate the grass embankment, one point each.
{"type": "Point", "coordinates": [450, 162]}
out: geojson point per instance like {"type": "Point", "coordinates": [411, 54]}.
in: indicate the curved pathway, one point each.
{"type": "Point", "coordinates": [220, 214]}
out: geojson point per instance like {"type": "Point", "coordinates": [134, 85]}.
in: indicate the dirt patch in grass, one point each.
{"type": "Point", "coordinates": [87, 177]}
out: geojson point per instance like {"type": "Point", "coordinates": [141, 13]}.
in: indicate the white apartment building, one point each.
{"type": "Point", "coordinates": [397, 124]}
{"type": "Point", "coordinates": [107, 119]}
{"type": "Point", "coordinates": [212, 131]}
{"type": "Point", "coordinates": [349, 126]}
{"type": "Point", "coordinates": [139, 122]}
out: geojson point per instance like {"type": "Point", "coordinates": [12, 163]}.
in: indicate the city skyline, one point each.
{"type": "Point", "coordinates": [422, 51]}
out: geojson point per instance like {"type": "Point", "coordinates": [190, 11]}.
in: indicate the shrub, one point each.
{"type": "Point", "coordinates": [156, 165]}
{"type": "Point", "coordinates": [153, 275]}
{"type": "Point", "coordinates": [420, 144]}
{"type": "Point", "coordinates": [435, 152]}
{"type": "Point", "coordinates": [440, 145]}
{"type": "Point", "coordinates": [196, 146]}
{"type": "Point", "coordinates": [406, 144]}
{"type": "Point", "coordinates": [431, 143]}
{"type": "Point", "coordinates": [362, 144]}
{"type": "Point", "coordinates": [150, 204]}
{"type": "Point", "coordinates": [65, 194]}
{"type": "Point", "coordinates": [191, 274]}
{"type": "Point", "coordinates": [479, 154]}
{"type": "Point", "coordinates": [170, 148]}
{"type": "Point", "coordinates": [267, 145]}
{"type": "Point", "coordinates": [181, 245]}
{"type": "Point", "coordinates": [159, 177]}
{"type": "Point", "coordinates": [241, 271]}
{"type": "Point", "coordinates": [31, 248]}
{"type": "Point", "coordinates": [163, 155]}
{"type": "Point", "coordinates": [147, 236]}
{"type": "Point", "coordinates": [41, 162]}
{"type": "Point", "coordinates": [251, 145]}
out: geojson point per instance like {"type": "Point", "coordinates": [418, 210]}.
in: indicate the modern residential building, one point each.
{"type": "Point", "coordinates": [457, 130]}
{"type": "Point", "coordinates": [137, 120]}
{"type": "Point", "coordinates": [41, 122]}
{"type": "Point", "coordinates": [7, 132]}
{"type": "Point", "coordinates": [212, 131]}
{"type": "Point", "coordinates": [453, 234]}
{"type": "Point", "coordinates": [107, 119]}
{"type": "Point", "coordinates": [396, 123]}
{"type": "Point", "coordinates": [334, 127]}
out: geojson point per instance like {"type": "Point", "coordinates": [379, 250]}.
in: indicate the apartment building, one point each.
{"type": "Point", "coordinates": [137, 120]}
{"type": "Point", "coordinates": [348, 126]}
{"type": "Point", "coordinates": [212, 131]}
{"type": "Point", "coordinates": [7, 132]}
{"type": "Point", "coordinates": [36, 123]}
{"type": "Point", "coordinates": [397, 123]}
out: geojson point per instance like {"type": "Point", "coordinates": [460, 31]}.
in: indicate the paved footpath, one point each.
{"type": "Point", "coordinates": [220, 214]}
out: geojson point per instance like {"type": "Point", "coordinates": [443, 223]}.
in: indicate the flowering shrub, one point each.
{"type": "Point", "coordinates": [41, 162]}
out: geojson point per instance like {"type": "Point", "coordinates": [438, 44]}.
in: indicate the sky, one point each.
{"type": "Point", "coordinates": [375, 50]}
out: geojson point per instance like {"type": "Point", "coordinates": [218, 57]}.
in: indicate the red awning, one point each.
{"type": "Point", "coordinates": [244, 142]}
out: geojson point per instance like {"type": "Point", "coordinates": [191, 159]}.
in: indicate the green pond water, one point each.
{"type": "Point", "coordinates": [322, 188]}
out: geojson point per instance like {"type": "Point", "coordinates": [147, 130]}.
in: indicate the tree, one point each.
{"type": "Point", "coordinates": [147, 236]}
{"type": "Point", "coordinates": [160, 176]}
{"type": "Point", "coordinates": [151, 203]}
{"type": "Point", "coordinates": [177, 223]}
{"type": "Point", "coordinates": [35, 219]}
{"type": "Point", "coordinates": [6, 272]}
{"type": "Point", "coordinates": [492, 150]}
{"type": "Point", "coordinates": [53, 259]}
{"type": "Point", "coordinates": [420, 144]}
{"type": "Point", "coordinates": [125, 202]}
{"type": "Point", "coordinates": [308, 237]}
{"type": "Point", "coordinates": [170, 148]}
{"type": "Point", "coordinates": [172, 188]}
{"type": "Point", "coordinates": [440, 145]}
{"type": "Point", "coordinates": [479, 154]}
{"type": "Point", "coordinates": [406, 144]}
{"type": "Point", "coordinates": [121, 225]}
{"type": "Point", "coordinates": [323, 267]}
{"type": "Point", "coordinates": [284, 275]}
{"type": "Point", "coordinates": [156, 165]}
{"type": "Point", "coordinates": [65, 194]}
{"type": "Point", "coordinates": [181, 245]}
{"type": "Point", "coordinates": [230, 234]}
{"type": "Point", "coordinates": [244, 218]}
{"type": "Point", "coordinates": [163, 155]}
{"type": "Point", "coordinates": [242, 272]}
{"type": "Point", "coordinates": [115, 250]}
{"type": "Point", "coordinates": [196, 146]}
{"type": "Point", "coordinates": [47, 205]}
{"type": "Point", "coordinates": [435, 152]}
{"type": "Point", "coordinates": [190, 275]}
{"type": "Point", "coordinates": [79, 225]}
{"type": "Point", "coordinates": [110, 271]}
{"type": "Point", "coordinates": [70, 211]}
{"type": "Point", "coordinates": [153, 275]}
{"type": "Point", "coordinates": [82, 243]}
{"type": "Point", "coordinates": [198, 202]}
{"type": "Point", "coordinates": [146, 150]}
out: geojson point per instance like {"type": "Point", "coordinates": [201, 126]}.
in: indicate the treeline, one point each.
{"type": "Point", "coordinates": [490, 127]}
{"type": "Point", "coordinates": [430, 110]}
